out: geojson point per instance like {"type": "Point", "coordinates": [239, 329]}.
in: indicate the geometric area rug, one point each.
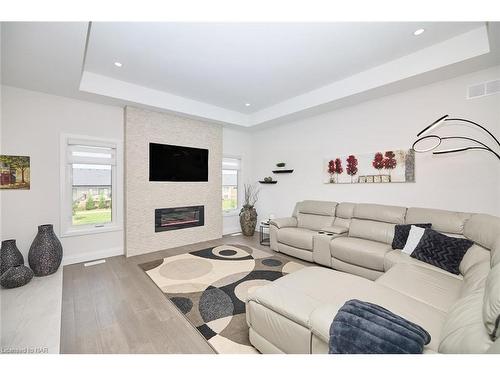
{"type": "Point", "coordinates": [210, 287]}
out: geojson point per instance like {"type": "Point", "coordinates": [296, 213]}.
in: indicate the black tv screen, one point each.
{"type": "Point", "coordinates": [177, 163]}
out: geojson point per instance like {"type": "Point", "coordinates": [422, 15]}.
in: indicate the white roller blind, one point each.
{"type": "Point", "coordinates": [85, 154]}
{"type": "Point", "coordinates": [231, 163]}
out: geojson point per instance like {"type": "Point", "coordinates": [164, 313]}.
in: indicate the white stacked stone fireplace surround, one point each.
{"type": "Point", "coordinates": [142, 197]}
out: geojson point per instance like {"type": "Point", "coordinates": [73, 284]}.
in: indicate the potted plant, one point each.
{"type": "Point", "coordinates": [248, 213]}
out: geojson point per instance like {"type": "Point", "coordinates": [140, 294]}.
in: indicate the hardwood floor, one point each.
{"type": "Point", "coordinates": [114, 307]}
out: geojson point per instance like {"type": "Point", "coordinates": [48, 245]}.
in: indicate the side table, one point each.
{"type": "Point", "coordinates": [264, 233]}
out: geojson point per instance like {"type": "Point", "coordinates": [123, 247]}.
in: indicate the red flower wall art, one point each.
{"type": "Point", "coordinates": [378, 167]}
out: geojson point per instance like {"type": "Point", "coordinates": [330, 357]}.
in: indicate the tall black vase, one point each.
{"type": "Point", "coordinates": [46, 251]}
{"type": "Point", "coordinates": [10, 256]}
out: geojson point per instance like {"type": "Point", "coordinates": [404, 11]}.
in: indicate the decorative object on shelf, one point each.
{"type": "Point", "coordinates": [281, 168]}
{"type": "Point", "coordinates": [14, 172]}
{"type": "Point", "coordinates": [46, 251]}
{"type": "Point", "coordinates": [16, 276]}
{"type": "Point", "coordinates": [248, 213]}
{"type": "Point", "coordinates": [379, 167]}
{"type": "Point", "coordinates": [10, 256]}
{"type": "Point", "coordinates": [430, 142]}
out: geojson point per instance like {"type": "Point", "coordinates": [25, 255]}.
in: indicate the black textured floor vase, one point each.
{"type": "Point", "coordinates": [10, 256]}
{"type": "Point", "coordinates": [15, 277]}
{"type": "Point", "coordinates": [46, 251]}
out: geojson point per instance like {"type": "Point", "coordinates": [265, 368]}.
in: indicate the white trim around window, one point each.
{"type": "Point", "coordinates": [233, 162]}
{"type": "Point", "coordinates": [76, 149]}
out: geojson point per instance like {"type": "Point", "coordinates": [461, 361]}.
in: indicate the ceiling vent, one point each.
{"type": "Point", "coordinates": [483, 89]}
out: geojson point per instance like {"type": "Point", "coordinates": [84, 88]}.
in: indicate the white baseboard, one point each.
{"type": "Point", "coordinates": [105, 253]}
{"type": "Point", "coordinates": [233, 230]}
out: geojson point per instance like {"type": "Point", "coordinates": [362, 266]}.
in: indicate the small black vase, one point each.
{"type": "Point", "coordinates": [10, 256]}
{"type": "Point", "coordinates": [46, 251]}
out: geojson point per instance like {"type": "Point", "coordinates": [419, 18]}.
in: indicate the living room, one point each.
{"type": "Point", "coordinates": [226, 185]}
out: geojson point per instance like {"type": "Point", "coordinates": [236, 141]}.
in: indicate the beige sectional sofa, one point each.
{"type": "Point", "coordinates": [293, 314]}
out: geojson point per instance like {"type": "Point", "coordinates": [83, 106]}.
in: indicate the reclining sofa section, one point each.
{"type": "Point", "coordinates": [461, 312]}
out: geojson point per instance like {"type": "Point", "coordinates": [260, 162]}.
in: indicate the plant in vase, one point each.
{"type": "Point", "coordinates": [248, 213]}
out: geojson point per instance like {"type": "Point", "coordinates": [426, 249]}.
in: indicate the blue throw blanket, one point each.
{"type": "Point", "coordinates": [365, 328]}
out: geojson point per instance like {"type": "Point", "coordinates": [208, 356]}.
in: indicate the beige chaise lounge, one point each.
{"type": "Point", "coordinates": [294, 313]}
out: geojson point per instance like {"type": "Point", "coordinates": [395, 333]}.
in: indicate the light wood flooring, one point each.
{"type": "Point", "coordinates": [114, 307]}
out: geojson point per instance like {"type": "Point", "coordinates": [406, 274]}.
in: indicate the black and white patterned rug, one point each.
{"type": "Point", "coordinates": [210, 287]}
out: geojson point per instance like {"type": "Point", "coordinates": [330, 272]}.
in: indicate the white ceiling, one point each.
{"type": "Point", "coordinates": [211, 70]}
{"type": "Point", "coordinates": [230, 64]}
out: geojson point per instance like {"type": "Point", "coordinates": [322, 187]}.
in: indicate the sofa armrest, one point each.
{"type": "Point", "coordinates": [335, 229]}
{"type": "Point", "coordinates": [284, 222]}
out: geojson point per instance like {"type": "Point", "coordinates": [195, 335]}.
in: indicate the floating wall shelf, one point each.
{"type": "Point", "coordinates": [283, 171]}
{"type": "Point", "coordinates": [268, 182]}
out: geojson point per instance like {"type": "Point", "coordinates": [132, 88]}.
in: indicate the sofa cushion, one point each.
{"type": "Point", "coordinates": [495, 253]}
{"type": "Point", "coordinates": [295, 252]}
{"type": "Point", "coordinates": [353, 287]}
{"type": "Point", "coordinates": [437, 289]}
{"type": "Point", "coordinates": [372, 230]}
{"type": "Point", "coordinates": [483, 229]}
{"type": "Point", "coordinates": [314, 222]}
{"type": "Point", "coordinates": [345, 210]}
{"type": "Point", "coordinates": [324, 208]}
{"type": "Point", "coordinates": [361, 252]}
{"type": "Point", "coordinates": [441, 251]}
{"type": "Point", "coordinates": [475, 278]}
{"type": "Point", "coordinates": [296, 295]}
{"type": "Point", "coordinates": [491, 303]}
{"type": "Point", "coordinates": [476, 254]}
{"type": "Point", "coordinates": [463, 330]}
{"type": "Point", "coordinates": [378, 212]}
{"type": "Point", "coordinates": [442, 220]}
{"type": "Point", "coordinates": [297, 237]}
{"type": "Point", "coordinates": [394, 257]}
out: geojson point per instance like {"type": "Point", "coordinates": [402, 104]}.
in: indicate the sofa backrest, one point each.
{"type": "Point", "coordinates": [376, 222]}
{"type": "Point", "coordinates": [343, 214]}
{"type": "Point", "coordinates": [315, 215]}
{"type": "Point", "coordinates": [447, 222]}
{"type": "Point", "coordinates": [472, 323]}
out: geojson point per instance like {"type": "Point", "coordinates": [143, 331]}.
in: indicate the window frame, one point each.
{"type": "Point", "coordinates": [238, 185]}
{"type": "Point", "coordinates": [67, 229]}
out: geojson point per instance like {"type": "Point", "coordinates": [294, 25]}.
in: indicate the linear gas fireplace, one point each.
{"type": "Point", "coordinates": [179, 218]}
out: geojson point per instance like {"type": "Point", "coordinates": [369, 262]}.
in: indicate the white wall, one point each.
{"type": "Point", "coordinates": [31, 125]}
{"type": "Point", "coordinates": [237, 143]}
{"type": "Point", "coordinates": [465, 182]}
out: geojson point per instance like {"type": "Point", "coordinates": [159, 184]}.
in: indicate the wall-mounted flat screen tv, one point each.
{"type": "Point", "coordinates": [177, 163]}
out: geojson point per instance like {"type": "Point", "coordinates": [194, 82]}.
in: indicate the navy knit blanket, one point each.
{"type": "Point", "coordinates": [365, 328]}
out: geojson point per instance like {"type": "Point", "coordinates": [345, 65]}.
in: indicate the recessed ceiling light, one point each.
{"type": "Point", "coordinates": [118, 64]}
{"type": "Point", "coordinates": [418, 32]}
{"type": "Point", "coordinates": [247, 104]}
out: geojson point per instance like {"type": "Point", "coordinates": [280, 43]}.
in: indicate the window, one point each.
{"type": "Point", "coordinates": [230, 178]}
{"type": "Point", "coordinates": [89, 190]}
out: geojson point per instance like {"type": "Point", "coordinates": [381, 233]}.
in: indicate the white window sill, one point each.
{"type": "Point", "coordinates": [91, 230]}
